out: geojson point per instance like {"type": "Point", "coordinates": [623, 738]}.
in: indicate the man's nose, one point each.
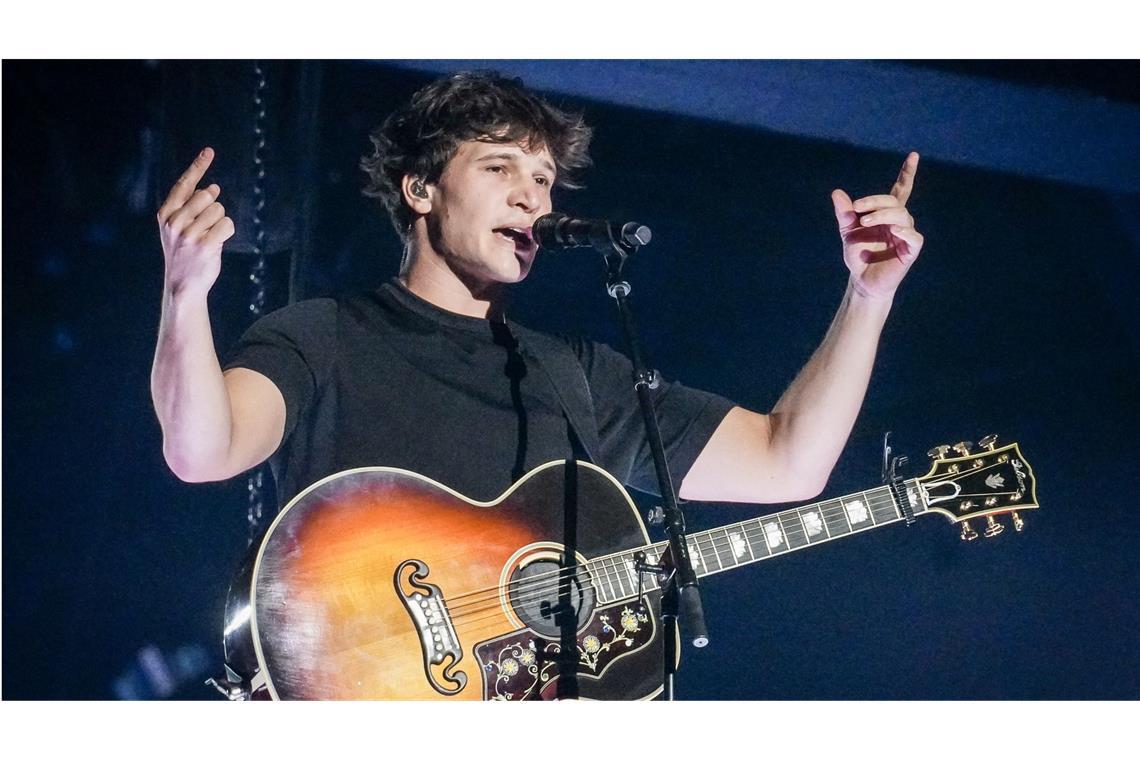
{"type": "Point", "coordinates": [526, 195]}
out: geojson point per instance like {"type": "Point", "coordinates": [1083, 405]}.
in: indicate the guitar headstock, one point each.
{"type": "Point", "coordinates": [986, 483]}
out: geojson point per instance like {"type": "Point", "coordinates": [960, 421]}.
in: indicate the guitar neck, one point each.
{"type": "Point", "coordinates": [748, 541]}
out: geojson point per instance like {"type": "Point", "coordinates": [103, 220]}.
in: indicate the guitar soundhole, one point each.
{"type": "Point", "coordinates": [539, 593]}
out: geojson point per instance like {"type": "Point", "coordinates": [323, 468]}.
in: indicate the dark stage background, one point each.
{"type": "Point", "coordinates": [1019, 319]}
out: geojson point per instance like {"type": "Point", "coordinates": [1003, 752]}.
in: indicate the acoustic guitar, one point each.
{"type": "Point", "coordinates": [378, 583]}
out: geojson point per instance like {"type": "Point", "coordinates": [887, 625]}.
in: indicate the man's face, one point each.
{"type": "Point", "coordinates": [483, 207]}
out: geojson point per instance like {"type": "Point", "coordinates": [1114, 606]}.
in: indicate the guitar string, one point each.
{"type": "Point", "coordinates": [539, 587]}
{"type": "Point", "coordinates": [836, 507]}
{"type": "Point", "coordinates": [884, 497]}
{"type": "Point", "coordinates": [882, 500]}
{"type": "Point", "coordinates": [467, 622]}
{"type": "Point", "coordinates": [547, 581]}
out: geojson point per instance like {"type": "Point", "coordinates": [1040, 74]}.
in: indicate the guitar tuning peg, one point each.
{"type": "Point", "coordinates": [1018, 523]}
{"type": "Point", "coordinates": [968, 533]}
{"type": "Point", "coordinates": [993, 527]}
{"type": "Point", "coordinates": [962, 447]}
{"type": "Point", "coordinates": [988, 442]}
{"type": "Point", "coordinates": [938, 452]}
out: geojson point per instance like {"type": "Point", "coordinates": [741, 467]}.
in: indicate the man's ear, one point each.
{"type": "Point", "coordinates": [417, 193]}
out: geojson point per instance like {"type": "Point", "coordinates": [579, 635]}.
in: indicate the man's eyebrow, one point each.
{"type": "Point", "coordinates": [514, 158]}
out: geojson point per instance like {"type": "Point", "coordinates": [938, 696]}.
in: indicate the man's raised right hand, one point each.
{"type": "Point", "coordinates": [193, 226]}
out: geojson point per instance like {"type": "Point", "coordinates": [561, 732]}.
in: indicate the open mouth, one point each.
{"type": "Point", "coordinates": [517, 235]}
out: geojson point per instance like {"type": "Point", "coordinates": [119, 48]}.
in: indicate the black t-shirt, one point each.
{"type": "Point", "coordinates": [387, 379]}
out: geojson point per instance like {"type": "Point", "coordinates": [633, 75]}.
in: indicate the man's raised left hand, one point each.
{"type": "Point", "coordinates": [880, 242]}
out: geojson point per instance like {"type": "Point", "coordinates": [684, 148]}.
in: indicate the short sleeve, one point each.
{"type": "Point", "coordinates": [688, 417]}
{"type": "Point", "coordinates": [294, 347]}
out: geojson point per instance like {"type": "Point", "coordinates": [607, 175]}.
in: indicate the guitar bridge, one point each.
{"type": "Point", "coordinates": [438, 641]}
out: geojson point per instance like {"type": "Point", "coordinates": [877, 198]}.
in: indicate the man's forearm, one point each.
{"type": "Point", "coordinates": [811, 422]}
{"type": "Point", "coordinates": [189, 391]}
{"type": "Point", "coordinates": [788, 454]}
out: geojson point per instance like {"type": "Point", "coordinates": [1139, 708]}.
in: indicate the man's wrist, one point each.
{"type": "Point", "coordinates": [861, 299]}
{"type": "Point", "coordinates": [181, 296]}
{"type": "Point", "coordinates": [863, 308]}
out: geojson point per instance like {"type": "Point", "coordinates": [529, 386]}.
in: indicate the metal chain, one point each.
{"type": "Point", "coordinates": [257, 272]}
{"type": "Point", "coordinates": [254, 485]}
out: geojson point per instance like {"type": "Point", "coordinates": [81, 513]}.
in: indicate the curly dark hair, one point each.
{"type": "Point", "coordinates": [420, 138]}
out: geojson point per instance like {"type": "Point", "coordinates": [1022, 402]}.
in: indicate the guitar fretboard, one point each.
{"type": "Point", "coordinates": [742, 543]}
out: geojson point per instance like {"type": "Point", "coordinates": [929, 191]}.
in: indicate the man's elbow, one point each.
{"type": "Point", "coordinates": [195, 469]}
{"type": "Point", "coordinates": [754, 489]}
{"type": "Point", "coordinates": [811, 488]}
{"type": "Point", "coordinates": [788, 490]}
{"type": "Point", "coordinates": [807, 483]}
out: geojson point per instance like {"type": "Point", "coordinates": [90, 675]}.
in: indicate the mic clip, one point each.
{"type": "Point", "coordinates": [649, 377]}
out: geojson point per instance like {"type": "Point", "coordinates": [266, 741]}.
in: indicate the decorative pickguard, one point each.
{"type": "Point", "coordinates": [523, 664]}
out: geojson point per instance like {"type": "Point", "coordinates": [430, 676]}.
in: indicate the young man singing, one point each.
{"type": "Point", "coordinates": [427, 373]}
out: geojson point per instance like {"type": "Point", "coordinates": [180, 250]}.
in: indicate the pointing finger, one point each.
{"type": "Point", "coordinates": [905, 183]}
{"type": "Point", "coordinates": [186, 184]}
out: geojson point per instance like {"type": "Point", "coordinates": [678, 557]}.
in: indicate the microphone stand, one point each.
{"type": "Point", "coordinates": [680, 593]}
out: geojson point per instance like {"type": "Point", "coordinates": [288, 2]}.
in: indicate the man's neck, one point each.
{"type": "Point", "coordinates": [432, 280]}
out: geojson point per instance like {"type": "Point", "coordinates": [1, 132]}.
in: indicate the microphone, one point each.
{"type": "Point", "coordinates": [560, 232]}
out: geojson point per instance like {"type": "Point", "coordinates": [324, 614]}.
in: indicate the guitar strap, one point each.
{"type": "Point", "coordinates": [561, 366]}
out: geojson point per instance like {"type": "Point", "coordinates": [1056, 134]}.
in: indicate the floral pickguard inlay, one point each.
{"type": "Point", "coordinates": [520, 665]}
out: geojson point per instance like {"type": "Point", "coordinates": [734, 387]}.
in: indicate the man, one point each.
{"type": "Point", "coordinates": [427, 373]}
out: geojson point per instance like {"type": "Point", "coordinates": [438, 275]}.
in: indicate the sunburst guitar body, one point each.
{"type": "Point", "coordinates": [378, 583]}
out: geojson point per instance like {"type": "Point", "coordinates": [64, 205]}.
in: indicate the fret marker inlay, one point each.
{"type": "Point", "coordinates": [739, 548]}
{"type": "Point", "coordinates": [856, 512]}
{"type": "Point", "coordinates": [813, 524]}
{"type": "Point", "coordinates": [695, 555]}
{"type": "Point", "coordinates": [773, 535]}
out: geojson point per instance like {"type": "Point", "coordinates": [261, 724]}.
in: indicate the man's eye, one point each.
{"type": "Point", "coordinates": [542, 181]}
{"type": "Point", "coordinates": [496, 169]}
